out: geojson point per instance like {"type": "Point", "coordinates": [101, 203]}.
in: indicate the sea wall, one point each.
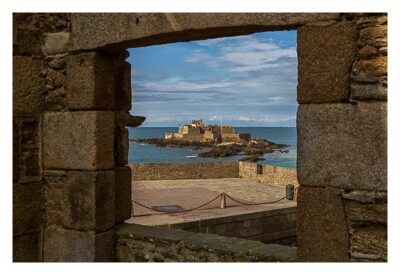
{"type": "Point", "coordinates": [272, 175]}
{"type": "Point", "coordinates": [276, 226]}
{"type": "Point", "coordinates": [169, 171]}
{"type": "Point", "coordinates": [138, 243]}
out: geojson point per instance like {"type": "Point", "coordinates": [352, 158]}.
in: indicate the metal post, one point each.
{"type": "Point", "coordinates": [289, 191]}
{"type": "Point", "coordinates": [223, 201]}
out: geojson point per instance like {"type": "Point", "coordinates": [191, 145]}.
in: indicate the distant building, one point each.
{"type": "Point", "coordinates": [197, 131]}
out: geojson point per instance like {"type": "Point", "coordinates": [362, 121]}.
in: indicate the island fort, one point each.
{"type": "Point", "coordinates": [196, 131]}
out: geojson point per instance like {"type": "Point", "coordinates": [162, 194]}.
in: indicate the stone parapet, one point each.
{"type": "Point", "coordinates": [138, 243]}
{"type": "Point", "coordinates": [273, 175]}
{"type": "Point", "coordinates": [168, 171]}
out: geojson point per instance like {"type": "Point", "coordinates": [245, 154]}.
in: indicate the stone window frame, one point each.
{"type": "Point", "coordinates": [337, 79]}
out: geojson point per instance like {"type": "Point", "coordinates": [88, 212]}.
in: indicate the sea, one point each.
{"type": "Point", "coordinates": [147, 153]}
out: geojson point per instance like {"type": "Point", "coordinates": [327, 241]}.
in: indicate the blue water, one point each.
{"type": "Point", "coordinates": [146, 153]}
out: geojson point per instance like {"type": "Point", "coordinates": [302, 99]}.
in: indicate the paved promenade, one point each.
{"type": "Point", "coordinates": [189, 193]}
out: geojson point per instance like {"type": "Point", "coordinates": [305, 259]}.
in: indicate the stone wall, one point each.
{"type": "Point", "coordinates": [342, 139]}
{"type": "Point", "coordinates": [34, 81]}
{"type": "Point", "coordinates": [138, 243]}
{"type": "Point", "coordinates": [175, 171]}
{"type": "Point", "coordinates": [70, 144]}
{"type": "Point", "coordinates": [270, 226]}
{"type": "Point", "coordinates": [272, 175]}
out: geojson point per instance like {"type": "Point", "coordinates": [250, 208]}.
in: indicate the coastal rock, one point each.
{"type": "Point", "coordinates": [252, 159]}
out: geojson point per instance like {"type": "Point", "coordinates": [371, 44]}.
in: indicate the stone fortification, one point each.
{"type": "Point", "coordinates": [169, 171]}
{"type": "Point", "coordinates": [273, 175]}
{"type": "Point", "coordinates": [197, 131]}
{"type": "Point", "coordinates": [138, 243]}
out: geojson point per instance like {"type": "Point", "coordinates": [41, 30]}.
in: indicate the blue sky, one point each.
{"type": "Point", "coordinates": [250, 80]}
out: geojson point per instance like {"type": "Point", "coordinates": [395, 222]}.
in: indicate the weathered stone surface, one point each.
{"type": "Point", "coordinates": [165, 171]}
{"type": "Point", "coordinates": [367, 52]}
{"type": "Point", "coordinates": [56, 43]}
{"type": "Point", "coordinates": [370, 240]}
{"type": "Point", "coordinates": [90, 81]}
{"type": "Point", "coordinates": [56, 62]}
{"type": "Point", "coordinates": [366, 196]}
{"type": "Point", "coordinates": [55, 181]}
{"type": "Point", "coordinates": [26, 247]}
{"type": "Point", "coordinates": [123, 91]}
{"type": "Point", "coordinates": [54, 79]}
{"type": "Point", "coordinates": [63, 245]}
{"type": "Point", "coordinates": [26, 158]}
{"type": "Point", "coordinates": [372, 20]}
{"type": "Point", "coordinates": [359, 212]}
{"type": "Point", "coordinates": [55, 100]}
{"type": "Point", "coordinates": [374, 35]}
{"type": "Point", "coordinates": [28, 87]}
{"type": "Point", "coordinates": [325, 58]}
{"type": "Point", "coordinates": [134, 121]}
{"type": "Point", "coordinates": [16, 150]}
{"type": "Point", "coordinates": [322, 234]}
{"type": "Point", "coordinates": [78, 140]}
{"type": "Point", "coordinates": [123, 193]}
{"type": "Point", "coordinates": [370, 68]}
{"type": "Point", "coordinates": [366, 212]}
{"type": "Point", "coordinates": [272, 175]}
{"type": "Point", "coordinates": [27, 42]}
{"type": "Point", "coordinates": [157, 244]}
{"type": "Point", "coordinates": [376, 91]}
{"type": "Point", "coordinates": [121, 31]}
{"type": "Point", "coordinates": [348, 142]}
{"type": "Point", "coordinates": [88, 200]}
{"type": "Point", "coordinates": [28, 207]}
{"type": "Point", "coordinates": [122, 146]}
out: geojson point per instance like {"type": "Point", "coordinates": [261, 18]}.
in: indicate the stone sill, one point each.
{"type": "Point", "coordinates": [130, 238]}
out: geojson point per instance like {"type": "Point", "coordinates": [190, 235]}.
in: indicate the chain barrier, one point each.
{"type": "Point", "coordinates": [207, 203]}
{"type": "Point", "coordinates": [257, 203]}
{"type": "Point", "coordinates": [181, 211]}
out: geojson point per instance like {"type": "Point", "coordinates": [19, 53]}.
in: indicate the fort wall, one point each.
{"type": "Point", "coordinates": [171, 171]}
{"type": "Point", "coordinates": [138, 243]}
{"type": "Point", "coordinates": [272, 175]}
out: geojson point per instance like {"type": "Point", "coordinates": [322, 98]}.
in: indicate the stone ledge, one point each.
{"type": "Point", "coordinates": [181, 246]}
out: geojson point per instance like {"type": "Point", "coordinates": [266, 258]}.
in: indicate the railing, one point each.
{"type": "Point", "coordinates": [291, 194]}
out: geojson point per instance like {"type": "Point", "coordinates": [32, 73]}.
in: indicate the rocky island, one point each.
{"type": "Point", "coordinates": [222, 140]}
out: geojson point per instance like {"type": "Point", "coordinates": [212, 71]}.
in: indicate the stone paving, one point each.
{"type": "Point", "coordinates": [189, 193]}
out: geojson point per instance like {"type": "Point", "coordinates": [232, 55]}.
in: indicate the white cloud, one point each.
{"type": "Point", "coordinates": [179, 84]}
{"type": "Point", "coordinates": [243, 55]}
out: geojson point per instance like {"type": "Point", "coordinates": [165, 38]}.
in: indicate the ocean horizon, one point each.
{"type": "Point", "coordinates": [148, 153]}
